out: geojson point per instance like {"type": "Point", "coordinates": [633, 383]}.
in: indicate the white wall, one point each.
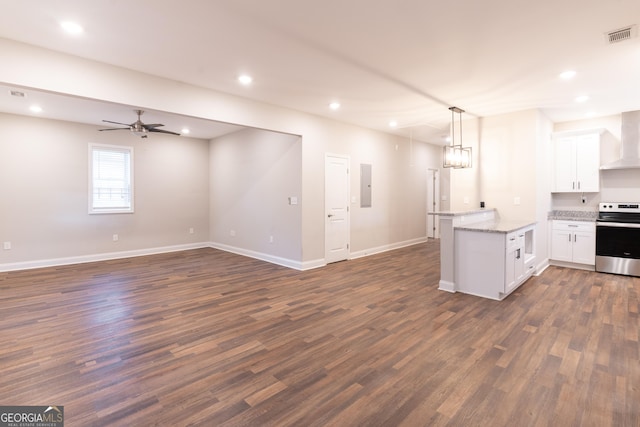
{"type": "Point", "coordinates": [511, 161]}
{"type": "Point", "coordinates": [397, 215]}
{"type": "Point", "coordinates": [544, 163]}
{"type": "Point", "coordinates": [399, 210]}
{"type": "Point", "coordinates": [44, 192]}
{"type": "Point", "coordinates": [504, 169]}
{"type": "Point", "coordinates": [466, 185]}
{"type": "Point", "coordinates": [253, 173]}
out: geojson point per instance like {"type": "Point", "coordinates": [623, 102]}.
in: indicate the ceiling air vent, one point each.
{"type": "Point", "coordinates": [621, 35]}
{"type": "Point", "coordinates": [17, 93]}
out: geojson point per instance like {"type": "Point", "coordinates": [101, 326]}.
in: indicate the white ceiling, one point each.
{"type": "Point", "coordinates": [404, 60]}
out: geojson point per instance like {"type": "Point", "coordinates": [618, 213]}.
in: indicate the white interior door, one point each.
{"type": "Point", "coordinates": [336, 201]}
{"type": "Point", "coordinates": [433, 203]}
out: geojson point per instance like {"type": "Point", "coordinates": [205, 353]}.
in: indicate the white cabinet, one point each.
{"type": "Point", "coordinates": [576, 160]}
{"type": "Point", "coordinates": [514, 268]}
{"type": "Point", "coordinates": [493, 264]}
{"type": "Point", "coordinates": [573, 241]}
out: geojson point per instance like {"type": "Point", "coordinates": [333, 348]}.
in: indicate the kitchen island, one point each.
{"type": "Point", "coordinates": [484, 256]}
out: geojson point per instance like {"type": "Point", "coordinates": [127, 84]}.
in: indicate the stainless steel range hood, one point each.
{"type": "Point", "coordinates": [630, 148]}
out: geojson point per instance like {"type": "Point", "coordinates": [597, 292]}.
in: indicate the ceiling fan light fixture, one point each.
{"type": "Point", "coordinates": [139, 128]}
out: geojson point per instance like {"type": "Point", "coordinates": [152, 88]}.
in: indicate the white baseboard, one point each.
{"type": "Point", "coordinates": [285, 262]}
{"type": "Point", "coordinates": [577, 266]}
{"type": "Point", "coordinates": [54, 262]}
{"type": "Point", "coordinates": [385, 248]}
{"type": "Point", "coordinates": [445, 285]}
{"type": "Point", "coordinates": [541, 267]}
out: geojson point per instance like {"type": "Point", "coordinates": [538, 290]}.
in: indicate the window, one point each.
{"type": "Point", "coordinates": [110, 179]}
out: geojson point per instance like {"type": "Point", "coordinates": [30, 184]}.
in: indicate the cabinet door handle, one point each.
{"type": "Point", "coordinates": [575, 236]}
{"type": "Point", "coordinates": [573, 185]}
{"type": "Point", "coordinates": [578, 185]}
{"type": "Point", "coordinates": [518, 254]}
{"type": "Point", "coordinates": [569, 236]}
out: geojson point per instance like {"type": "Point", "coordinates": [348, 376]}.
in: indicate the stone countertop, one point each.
{"type": "Point", "coordinates": [573, 215]}
{"type": "Point", "coordinates": [462, 213]}
{"type": "Point", "coordinates": [496, 226]}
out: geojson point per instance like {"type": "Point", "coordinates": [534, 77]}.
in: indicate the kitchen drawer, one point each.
{"type": "Point", "coordinates": [515, 240]}
{"type": "Point", "coordinates": [588, 226]}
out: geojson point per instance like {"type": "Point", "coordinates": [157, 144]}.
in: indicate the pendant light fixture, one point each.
{"type": "Point", "coordinates": [455, 155]}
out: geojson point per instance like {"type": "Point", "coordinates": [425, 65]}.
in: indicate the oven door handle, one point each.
{"type": "Point", "coordinates": [618, 224]}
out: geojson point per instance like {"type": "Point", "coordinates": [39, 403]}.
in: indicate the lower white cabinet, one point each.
{"type": "Point", "coordinates": [493, 264]}
{"type": "Point", "coordinates": [514, 267]}
{"type": "Point", "coordinates": [573, 241]}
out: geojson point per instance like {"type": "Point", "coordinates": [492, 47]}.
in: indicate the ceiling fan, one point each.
{"type": "Point", "coordinates": [140, 128]}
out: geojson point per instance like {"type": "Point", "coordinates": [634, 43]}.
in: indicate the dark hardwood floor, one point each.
{"type": "Point", "coordinates": [205, 337]}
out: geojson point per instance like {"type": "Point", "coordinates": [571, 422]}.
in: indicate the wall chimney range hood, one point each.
{"type": "Point", "coordinates": [630, 147]}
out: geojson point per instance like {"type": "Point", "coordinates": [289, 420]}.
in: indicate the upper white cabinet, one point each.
{"type": "Point", "coordinates": [576, 160]}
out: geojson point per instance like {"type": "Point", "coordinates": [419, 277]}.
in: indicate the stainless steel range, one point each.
{"type": "Point", "coordinates": [618, 238]}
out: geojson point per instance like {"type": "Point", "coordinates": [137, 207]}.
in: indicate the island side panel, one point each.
{"type": "Point", "coordinates": [448, 222]}
{"type": "Point", "coordinates": [447, 273]}
{"type": "Point", "coordinates": [480, 263]}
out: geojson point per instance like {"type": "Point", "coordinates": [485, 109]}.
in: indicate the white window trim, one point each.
{"type": "Point", "coordinates": [99, 211]}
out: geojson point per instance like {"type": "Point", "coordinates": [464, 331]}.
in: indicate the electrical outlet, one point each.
{"type": "Point", "coordinates": [190, 230]}
{"type": "Point", "coordinates": [466, 201]}
{"type": "Point", "coordinates": [232, 233]}
{"type": "Point", "coordinates": [115, 237]}
{"type": "Point", "coordinates": [270, 239]}
{"type": "Point", "coordinates": [7, 246]}
{"type": "Point", "coordinates": [516, 201]}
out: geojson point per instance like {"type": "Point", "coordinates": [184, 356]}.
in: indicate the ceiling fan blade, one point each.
{"type": "Point", "coordinates": [114, 129]}
{"type": "Point", "coordinates": [154, 125]}
{"type": "Point", "coordinates": [163, 131]}
{"type": "Point", "coordinates": [116, 123]}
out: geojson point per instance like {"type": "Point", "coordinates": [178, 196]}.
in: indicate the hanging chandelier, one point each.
{"type": "Point", "coordinates": [455, 155]}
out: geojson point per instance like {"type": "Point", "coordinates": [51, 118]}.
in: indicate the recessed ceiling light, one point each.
{"type": "Point", "coordinates": [334, 105]}
{"type": "Point", "coordinates": [245, 79]}
{"type": "Point", "coordinates": [567, 75]}
{"type": "Point", "coordinates": [185, 131]}
{"type": "Point", "coordinates": [393, 123]}
{"type": "Point", "coordinates": [35, 109]}
{"type": "Point", "coordinates": [582, 98]}
{"type": "Point", "coordinates": [72, 27]}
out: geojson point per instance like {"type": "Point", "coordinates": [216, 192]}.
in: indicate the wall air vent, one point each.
{"type": "Point", "coordinates": [621, 34]}
{"type": "Point", "coordinates": [17, 93]}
